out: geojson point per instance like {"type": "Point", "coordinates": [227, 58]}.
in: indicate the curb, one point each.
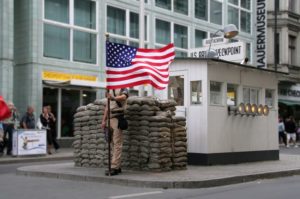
{"type": "Point", "coordinates": [14, 160]}
{"type": "Point", "coordinates": [161, 184]}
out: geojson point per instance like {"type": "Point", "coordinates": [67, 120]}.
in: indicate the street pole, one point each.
{"type": "Point", "coordinates": [276, 2]}
{"type": "Point", "coordinates": [108, 123]}
{"type": "Point", "coordinates": [142, 37]}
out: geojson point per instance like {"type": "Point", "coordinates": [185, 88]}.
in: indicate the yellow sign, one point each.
{"type": "Point", "coordinates": [58, 76]}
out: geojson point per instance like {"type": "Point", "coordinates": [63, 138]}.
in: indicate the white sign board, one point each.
{"type": "Point", "coordinates": [29, 142]}
{"type": "Point", "coordinates": [215, 40]}
{"type": "Point", "coordinates": [261, 34]}
{"type": "Point", "coordinates": [230, 52]}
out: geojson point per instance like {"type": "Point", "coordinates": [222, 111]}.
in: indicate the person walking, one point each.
{"type": "Point", "coordinates": [45, 120]}
{"type": "Point", "coordinates": [290, 128]}
{"type": "Point", "coordinates": [281, 131]}
{"type": "Point", "coordinates": [52, 124]}
{"type": "Point", "coordinates": [9, 127]}
{"type": "Point", "coordinates": [28, 121]}
{"type": "Point", "coordinates": [118, 102]}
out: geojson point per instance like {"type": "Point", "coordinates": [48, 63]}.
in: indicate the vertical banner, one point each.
{"type": "Point", "coordinates": [261, 34]}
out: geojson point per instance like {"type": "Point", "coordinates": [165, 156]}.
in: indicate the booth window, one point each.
{"type": "Point", "coordinates": [232, 94]}
{"type": "Point", "coordinates": [176, 89]}
{"type": "Point", "coordinates": [269, 97]}
{"type": "Point", "coordinates": [251, 95]}
{"type": "Point", "coordinates": [196, 92]}
{"type": "Point", "coordinates": [215, 93]}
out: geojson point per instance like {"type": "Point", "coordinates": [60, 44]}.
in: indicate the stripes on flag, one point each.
{"type": "Point", "coordinates": [128, 66]}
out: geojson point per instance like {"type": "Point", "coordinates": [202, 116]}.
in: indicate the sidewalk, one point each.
{"type": "Point", "coordinates": [193, 177]}
{"type": "Point", "coordinates": [62, 154]}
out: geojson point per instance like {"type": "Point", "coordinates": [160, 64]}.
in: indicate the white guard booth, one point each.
{"type": "Point", "coordinates": [29, 142]}
{"type": "Point", "coordinates": [204, 90]}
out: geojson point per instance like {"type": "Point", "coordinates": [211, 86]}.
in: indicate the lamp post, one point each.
{"type": "Point", "coordinates": [229, 31]}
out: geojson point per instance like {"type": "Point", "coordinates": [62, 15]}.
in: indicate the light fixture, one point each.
{"type": "Point", "coordinates": [260, 110]}
{"type": "Point", "coordinates": [248, 108]}
{"type": "Point", "coordinates": [254, 109]}
{"type": "Point", "coordinates": [266, 110]}
{"type": "Point", "coordinates": [229, 31]}
{"type": "Point", "coordinates": [241, 109]}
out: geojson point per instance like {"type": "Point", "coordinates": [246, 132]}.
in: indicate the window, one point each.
{"type": "Point", "coordinates": [239, 14]}
{"type": "Point", "coordinates": [277, 49]}
{"type": "Point", "coordinates": [180, 36]}
{"type": "Point", "coordinates": [196, 92]}
{"type": "Point", "coordinates": [163, 36]}
{"type": "Point", "coordinates": [232, 94]}
{"type": "Point", "coordinates": [84, 47]}
{"type": "Point", "coordinates": [163, 32]}
{"type": "Point", "coordinates": [166, 4]}
{"type": "Point", "coordinates": [118, 21]}
{"type": "Point", "coordinates": [251, 95]}
{"type": "Point", "coordinates": [199, 36]}
{"type": "Point", "coordinates": [201, 9]}
{"type": "Point", "coordinates": [216, 93]}
{"type": "Point", "coordinates": [292, 6]}
{"type": "Point", "coordinates": [85, 14]}
{"type": "Point", "coordinates": [233, 16]}
{"type": "Point", "coordinates": [56, 42]}
{"type": "Point", "coordinates": [57, 10]}
{"type": "Point", "coordinates": [179, 6]}
{"type": "Point", "coordinates": [58, 39]}
{"type": "Point", "coordinates": [176, 89]}
{"type": "Point", "coordinates": [269, 97]}
{"type": "Point", "coordinates": [292, 50]}
{"type": "Point", "coordinates": [248, 51]}
{"type": "Point", "coordinates": [216, 12]}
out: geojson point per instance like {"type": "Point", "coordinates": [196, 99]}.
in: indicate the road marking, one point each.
{"type": "Point", "coordinates": [136, 194]}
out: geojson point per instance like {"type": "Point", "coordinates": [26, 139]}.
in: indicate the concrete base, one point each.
{"type": "Point", "coordinates": [231, 158]}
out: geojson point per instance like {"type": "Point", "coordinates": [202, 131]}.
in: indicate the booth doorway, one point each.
{"type": "Point", "coordinates": [64, 102]}
{"type": "Point", "coordinates": [178, 91]}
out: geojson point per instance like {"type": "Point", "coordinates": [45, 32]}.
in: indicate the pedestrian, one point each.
{"type": "Point", "coordinates": [9, 127]}
{"type": "Point", "coordinates": [281, 131]}
{"type": "Point", "coordinates": [1, 139]}
{"type": "Point", "coordinates": [290, 128]}
{"type": "Point", "coordinates": [28, 121]}
{"type": "Point", "coordinates": [45, 120]}
{"type": "Point", "coordinates": [53, 128]}
{"type": "Point", "coordinates": [118, 102]}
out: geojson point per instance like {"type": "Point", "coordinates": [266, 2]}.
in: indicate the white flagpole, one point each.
{"type": "Point", "coordinates": [142, 36]}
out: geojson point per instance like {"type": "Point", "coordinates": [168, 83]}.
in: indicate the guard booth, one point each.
{"type": "Point", "coordinates": [231, 110]}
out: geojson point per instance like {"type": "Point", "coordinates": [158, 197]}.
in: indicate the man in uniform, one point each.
{"type": "Point", "coordinates": [118, 102]}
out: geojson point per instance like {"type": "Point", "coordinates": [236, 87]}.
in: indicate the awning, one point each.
{"type": "Point", "coordinates": [289, 102]}
{"type": "Point", "coordinates": [75, 83]}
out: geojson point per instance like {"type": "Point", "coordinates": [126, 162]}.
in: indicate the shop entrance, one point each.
{"type": "Point", "coordinates": [64, 102]}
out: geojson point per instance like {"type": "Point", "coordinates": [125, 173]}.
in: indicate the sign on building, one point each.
{"type": "Point", "coordinates": [214, 41]}
{"type": "Point", "coordinates": [261, 34]}
{"type": "Point", "coordinates": [235, 52]}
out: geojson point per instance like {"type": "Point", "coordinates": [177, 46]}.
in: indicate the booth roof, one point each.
{"type": "Point", "coordinates": [233, 63]}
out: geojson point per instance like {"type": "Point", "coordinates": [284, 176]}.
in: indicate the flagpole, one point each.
{"type": "Point", "coordinates": [108, 123]}
{"type": "Point", "coordinates": [142, 36]}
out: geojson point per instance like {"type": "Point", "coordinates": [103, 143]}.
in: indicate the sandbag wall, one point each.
{"type": "Point", "coordinates": [155, 139]}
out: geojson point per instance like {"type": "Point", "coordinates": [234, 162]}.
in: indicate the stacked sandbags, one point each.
{"type": "Point", "coordinates": [179, 143]}
{"type": "Point", "coordinates": [137, 113]}
{"type": "Point", "coordinates": [155, 140]}
{"type": "Point", "coordinates": [89, 144]}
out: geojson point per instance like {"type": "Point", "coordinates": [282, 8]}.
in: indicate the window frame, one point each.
{"type": "Point", "coordinates": [126, 38]}
{"type": "Point", "coordinates": [172, 25]}
{"type": "Point", "coordinates": [172, 9]}
{"type": "Point", "coordinates": [258, 94]}
{"type": "Point", "coordinates": [221, 94]}
{"type": "Point", "coordinates": [201, 93]}
{"type": "Point", "coordinates": [273, 98]}
{"type": "Point", "coordinates": [72, 27]}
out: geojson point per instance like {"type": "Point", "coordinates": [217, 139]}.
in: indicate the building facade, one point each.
{"type": "Point", "coordinates": [52, 52]}
{"type": "Point", "coordinates": [284, 51]}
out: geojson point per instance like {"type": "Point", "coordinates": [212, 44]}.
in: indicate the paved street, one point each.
{"type": "Point", "coordinates": [13, 187]}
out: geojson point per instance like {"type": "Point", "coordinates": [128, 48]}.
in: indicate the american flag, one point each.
{"type": "Point", "coordinates": [127, 66]}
